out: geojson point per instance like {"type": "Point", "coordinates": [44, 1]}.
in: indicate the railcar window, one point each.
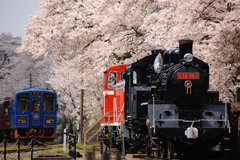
{"type": "Point", "coordinates": [7, 108]}
{"type": "Point", "coordinates": [49, 103]}
{"type": "Point", "coordinates": [112, 79]}
{"type": "Point", "coordinates": [23, 103]}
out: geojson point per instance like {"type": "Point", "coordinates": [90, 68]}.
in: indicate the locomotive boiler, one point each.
{"type": "Point", "coordinates": [170, 110]}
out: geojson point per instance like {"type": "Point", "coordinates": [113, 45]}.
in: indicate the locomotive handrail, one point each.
{"type": "Point", "coordinates": [227, 123]}
{"type": "Point", "coordinates": [226, 120]}
{"type": "Point", "coordinates": [101, 119]}
{"type": "Point", "coordinates": [95, 133]}
{"type": "Point", "coordinates": [85, 134]}
{"type": "Point", "coordinates": [121, 112]}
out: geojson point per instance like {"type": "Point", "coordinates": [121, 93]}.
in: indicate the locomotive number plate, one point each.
{"type": "Point", "coordinates": [188, 75]}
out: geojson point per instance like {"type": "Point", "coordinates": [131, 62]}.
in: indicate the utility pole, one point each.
{"type": "Point", "coordinates": [30, 79]}
{"type": "Point", "coordinates": [80, 131]}
{"type": "Point", "coordinates": [30, 75]}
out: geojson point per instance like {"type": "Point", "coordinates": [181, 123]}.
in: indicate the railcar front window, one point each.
{"type": "Point", "coordinates": [7, 108]}
{"type": "Point", "coordinates": [23, 103]}
{"type": "Point", "coordinates": [112, 79]}
{"type": "Point", "coordinates": [49, 103]}
{"type": "Point", "coordinates": [36, 106]}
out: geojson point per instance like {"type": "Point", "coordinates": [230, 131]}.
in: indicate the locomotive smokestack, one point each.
{"type": "Point", "coordinates": [185, 46]}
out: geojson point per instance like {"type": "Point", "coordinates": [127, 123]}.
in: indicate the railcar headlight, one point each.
{"type": "Point", "coordinates": [22, 121]}
{"type": "Point", "coordinates": [188, 57]}
{"type": "Point", "coordinates": [49, 121]}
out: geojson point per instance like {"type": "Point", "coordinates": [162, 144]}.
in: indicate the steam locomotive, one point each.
{"type": "Point", "coordinates": [169, 109]}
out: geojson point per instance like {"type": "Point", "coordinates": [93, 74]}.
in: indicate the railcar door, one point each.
{"type": "Point", "coordinates": [35, 113]}
{"type": "Point", "coordinates": [108, 95]}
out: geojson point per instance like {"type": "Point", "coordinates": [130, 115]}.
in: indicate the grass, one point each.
{"type": "Point", "coordinates": [46, 149]}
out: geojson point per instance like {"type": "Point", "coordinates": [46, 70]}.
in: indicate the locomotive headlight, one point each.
{"type": "Point", "coordinates": [188, 57]}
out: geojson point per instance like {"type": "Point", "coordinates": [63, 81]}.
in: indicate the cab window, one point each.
{"type": "Point", "coordinates": [49, 102]}
{"type": "Point", "coordinates": [137, 76]}
{"type": "Point", "coordinates": [23, 102]}
{"type": "Point", "coordinates": [112, 79]}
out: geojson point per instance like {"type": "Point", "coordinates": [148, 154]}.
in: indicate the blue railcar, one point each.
{"type": "Point", "coordinates": [33, 112]}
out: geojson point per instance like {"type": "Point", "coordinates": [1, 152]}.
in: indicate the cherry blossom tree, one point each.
{"type": "Point", "coordinates": [16, 68]}
{"type": "Point", "coordinates": [8, 45]}
{"type": "Point", "coordinates": [88, 36]}
{"type": "Point", "coordinates": [213, 25]}
{"type": "Point", "coordinates": [85, 35]}
{"type": "Point", "coordinates": [16, 74]}
{"type": "Point", "coordinates": [223, 40]}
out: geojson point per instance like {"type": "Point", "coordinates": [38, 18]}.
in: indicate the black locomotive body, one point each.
{"type": "Point", "coordinates": [168, 102]}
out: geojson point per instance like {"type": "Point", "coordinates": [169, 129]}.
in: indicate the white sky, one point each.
{"type": "Point", "coordinates": [14, 14]}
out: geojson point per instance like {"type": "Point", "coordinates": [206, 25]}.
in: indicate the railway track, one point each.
{"type": "Point", "coordinates": [27, 148]}
{"type": "Point", "coordinates": [213, 155]}
{"type": "Point", "coordinates": [141, 157]}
